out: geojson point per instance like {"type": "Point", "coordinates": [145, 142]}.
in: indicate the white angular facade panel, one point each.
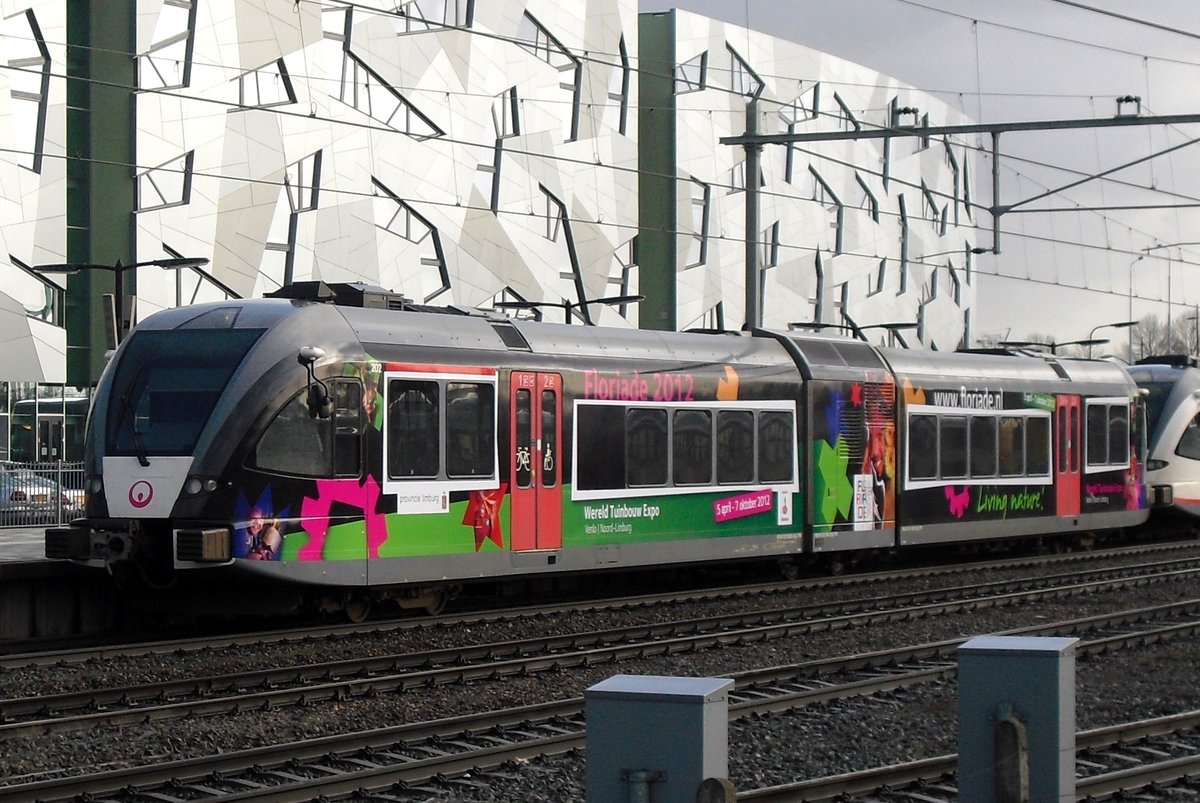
{"type": "Point", "coordinates": [32, 187]}
{"type": "Point", "coordinates": [448, 159]}
{"type": "Point", "coordinates": [837, 235]}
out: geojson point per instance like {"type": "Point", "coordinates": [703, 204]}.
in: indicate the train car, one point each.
{"type": "Point", "coordinates": [344, 443]}
{"type": "Point", "coordinates": [1172, 387]}
{"type": "Point", "coordinates": [997, 445]}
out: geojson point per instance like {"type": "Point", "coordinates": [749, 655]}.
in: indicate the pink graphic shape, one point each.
{"type": "Point", "coordinates": [314, 515]}
{"type": "Point", "coordinates": [959, 500]}
{"type": "Point", "coordinates": [748, 504]}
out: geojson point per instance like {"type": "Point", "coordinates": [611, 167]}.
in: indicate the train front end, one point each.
{"type": "Point", "coordinates": [169, 409]}
{"type": "Point", "coordinates": [1171, 385]}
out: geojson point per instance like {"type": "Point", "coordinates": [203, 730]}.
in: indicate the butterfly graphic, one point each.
{"type": "Point", "coordinates": [959, 500]}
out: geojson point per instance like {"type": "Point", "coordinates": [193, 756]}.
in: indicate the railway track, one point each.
{"type": "Point", "coordinates": [402, 762]}
{"type": "Point", "coordinates": [17, 654]}
{"type": "Point", "coordinates": [1109, 762]}
{"type": "Point", "coordinates": [359, 677]}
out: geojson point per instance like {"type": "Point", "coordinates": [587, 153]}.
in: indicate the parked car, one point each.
{"type": "Point", "coordinates": [29, 498]}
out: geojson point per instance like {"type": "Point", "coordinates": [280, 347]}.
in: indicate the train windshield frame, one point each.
{"type": "Point", "coordinates": [166, 386]}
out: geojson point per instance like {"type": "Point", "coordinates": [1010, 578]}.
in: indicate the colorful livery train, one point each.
{"type": "Point", "coordinates": [348, 443]}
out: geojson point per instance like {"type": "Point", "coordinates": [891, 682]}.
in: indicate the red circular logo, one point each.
{"type": "Point", "coordinates": [140, 494]}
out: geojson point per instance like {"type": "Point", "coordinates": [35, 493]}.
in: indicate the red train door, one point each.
{"type": "Point", "coordinates": [1067, 446]}
{"type": "Point", "coordinates": [535, 475]}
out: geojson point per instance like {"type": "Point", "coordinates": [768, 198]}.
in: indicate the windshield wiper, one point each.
{"type": "Point", "coordinates": [127, 414]}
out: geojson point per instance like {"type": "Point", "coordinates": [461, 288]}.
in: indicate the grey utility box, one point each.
{"type": "Point", "coordinates": [1016, 719]}
{"type": "Point", "coordinates": [653, 738]}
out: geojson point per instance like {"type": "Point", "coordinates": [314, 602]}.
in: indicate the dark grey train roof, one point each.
{"type": "Point", "coordinates": [980, 369]}
{"type": "Point", "coordinates": [495, 333]}
{"type": "Point", "coordinates": [1161, 372]}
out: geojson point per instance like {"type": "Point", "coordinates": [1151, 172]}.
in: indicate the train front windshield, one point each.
{"type": "Point", "coordinates": [1156, 400]}
{"type": "Point", "coordinates": [166, 386]}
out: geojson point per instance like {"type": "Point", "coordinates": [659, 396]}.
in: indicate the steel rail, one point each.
{"type": "Point", "coordinates": [17, 660]}
{"type": "Point", "coordinates": [456, 666]}
{"type": "Point", "coordinates": [306, 770]}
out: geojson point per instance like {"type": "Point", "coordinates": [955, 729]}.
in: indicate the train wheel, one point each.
{"type": "Point", "coordinates": [436, 601]}
{"type": "Point", "coordinates": [789, 568]}
{"type": "Point", "coordinates": [357, 607]}
{"type": "Point", "coordinates": [835, 565]}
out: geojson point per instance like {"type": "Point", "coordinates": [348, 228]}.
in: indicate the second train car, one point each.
{"type": "Point", "coordinates": [347, 443]}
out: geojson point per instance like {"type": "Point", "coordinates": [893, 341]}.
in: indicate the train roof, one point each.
{"type": "Point", "coordinates": [983, 368]}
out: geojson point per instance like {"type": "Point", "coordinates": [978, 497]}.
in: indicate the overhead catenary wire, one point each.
{"type": "Point", "coordinates": [557, 157]}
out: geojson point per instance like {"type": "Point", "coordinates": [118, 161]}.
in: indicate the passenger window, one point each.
{"type": "Point", "coordinates": [1097, 434]}
{"type": "Point", "coordinates": [1118, 435]}
{"type": "Point", "coordinates": [470, 429]}
{"type": "Point", "coordinates": [295, 442]}
{"type": "Point", "coordinates": [775, 447]}
{"type": "Point", "coordinates": [922, 447]}
{"type": "Point", "coordinates": [953, 451]}
{"type": "Point", "coordinates": [983, 446]}
{"type": "Point", "coordinates": [735, 447]}
{"type": "Point", "coordinates": [692, 443]}
{"type": "Point", "coordinates": [413, 430]}
{"type": "Point", "coordinates": [347, 423]}
{"type": "Point", "coordinates": [600, 446]}
{"type": "Point", "coordinates": [1037, 446]}
{"type": "Point", "coordinates": [646, 447]}
{"type": "Point", "coordinates": [1012, 446]}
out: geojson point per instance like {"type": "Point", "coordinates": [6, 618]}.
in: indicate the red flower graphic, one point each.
{"type": "Point", "coordinates": [483, 513]}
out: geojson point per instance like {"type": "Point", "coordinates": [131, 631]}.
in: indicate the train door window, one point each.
{"type": "Point", "coordinates": [1011, 438]}
{"type": "Point", "coordinates": [347, 424]}
{"type": "Point", "coordinates": [413, 428]}
{"type": "Point", "coordinates": [1189, 443]}
{"type": "Point", "coordinates": [524, 445]}
{"type": "Point", "coordinates": [1063, 439]}
{"type": "Point", "coordinates": [549, 439]}
{"type": "Point", "coordinates": [952, 444]}
{"type": "Point", "coordinates": [922, 447]}
{"type": "Point", "coordinates": [1037, 446]}
{"type": "Point", "coordinates": [470, 422]}
{"type": "Point", "coordinates": [645, 447]}
{"type": "Point", "coordinates": [735, 447]}
{"type": "Point", "coordinates": [1097, 434]}
{"type": "Point", "coordinates": [983, 446]}
{"type": "Point", "coordinates": [1073, 451]}
{"type": "Point", "coordinates": [775, 447]}
{"type": "Point", "coordinates": [692, 447]}
{"type": "Point", "coordinates": [295, 442]}
{"type": "Point", "coordinates": [600, 447]}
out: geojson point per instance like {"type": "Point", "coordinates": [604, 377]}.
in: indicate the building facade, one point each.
{"type": "Point", "coordinates": [487, 155]}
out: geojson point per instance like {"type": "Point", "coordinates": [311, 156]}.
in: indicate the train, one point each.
{"type": "Point", "coordinates": [1171, 385]}
{"type": "Point", "coordinates": [345, 443]}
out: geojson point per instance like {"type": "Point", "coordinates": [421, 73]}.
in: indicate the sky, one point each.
{"type": "Point", "coordinates": [1058, 274]}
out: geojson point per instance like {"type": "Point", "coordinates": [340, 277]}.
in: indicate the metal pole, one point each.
{"type": "Point", "coordinates": [996, 192]}
{"type": "Point", "coordinates": [753, 151]}
{"type": "Point", "coordinates": [119, 301]}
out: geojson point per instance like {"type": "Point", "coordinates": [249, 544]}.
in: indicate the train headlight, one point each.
{"type": "Point", "coordinates": [195, 485]}
{"type": "Point", "coordinates": [1155, 465]}
{"type": "Point", "coordinates": [95, 485]}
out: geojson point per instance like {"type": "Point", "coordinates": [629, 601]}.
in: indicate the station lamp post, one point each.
{"type": "Point", "coordinates": [1113, 325]}
{"type": "Point", "coordinates": [120, 323]}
